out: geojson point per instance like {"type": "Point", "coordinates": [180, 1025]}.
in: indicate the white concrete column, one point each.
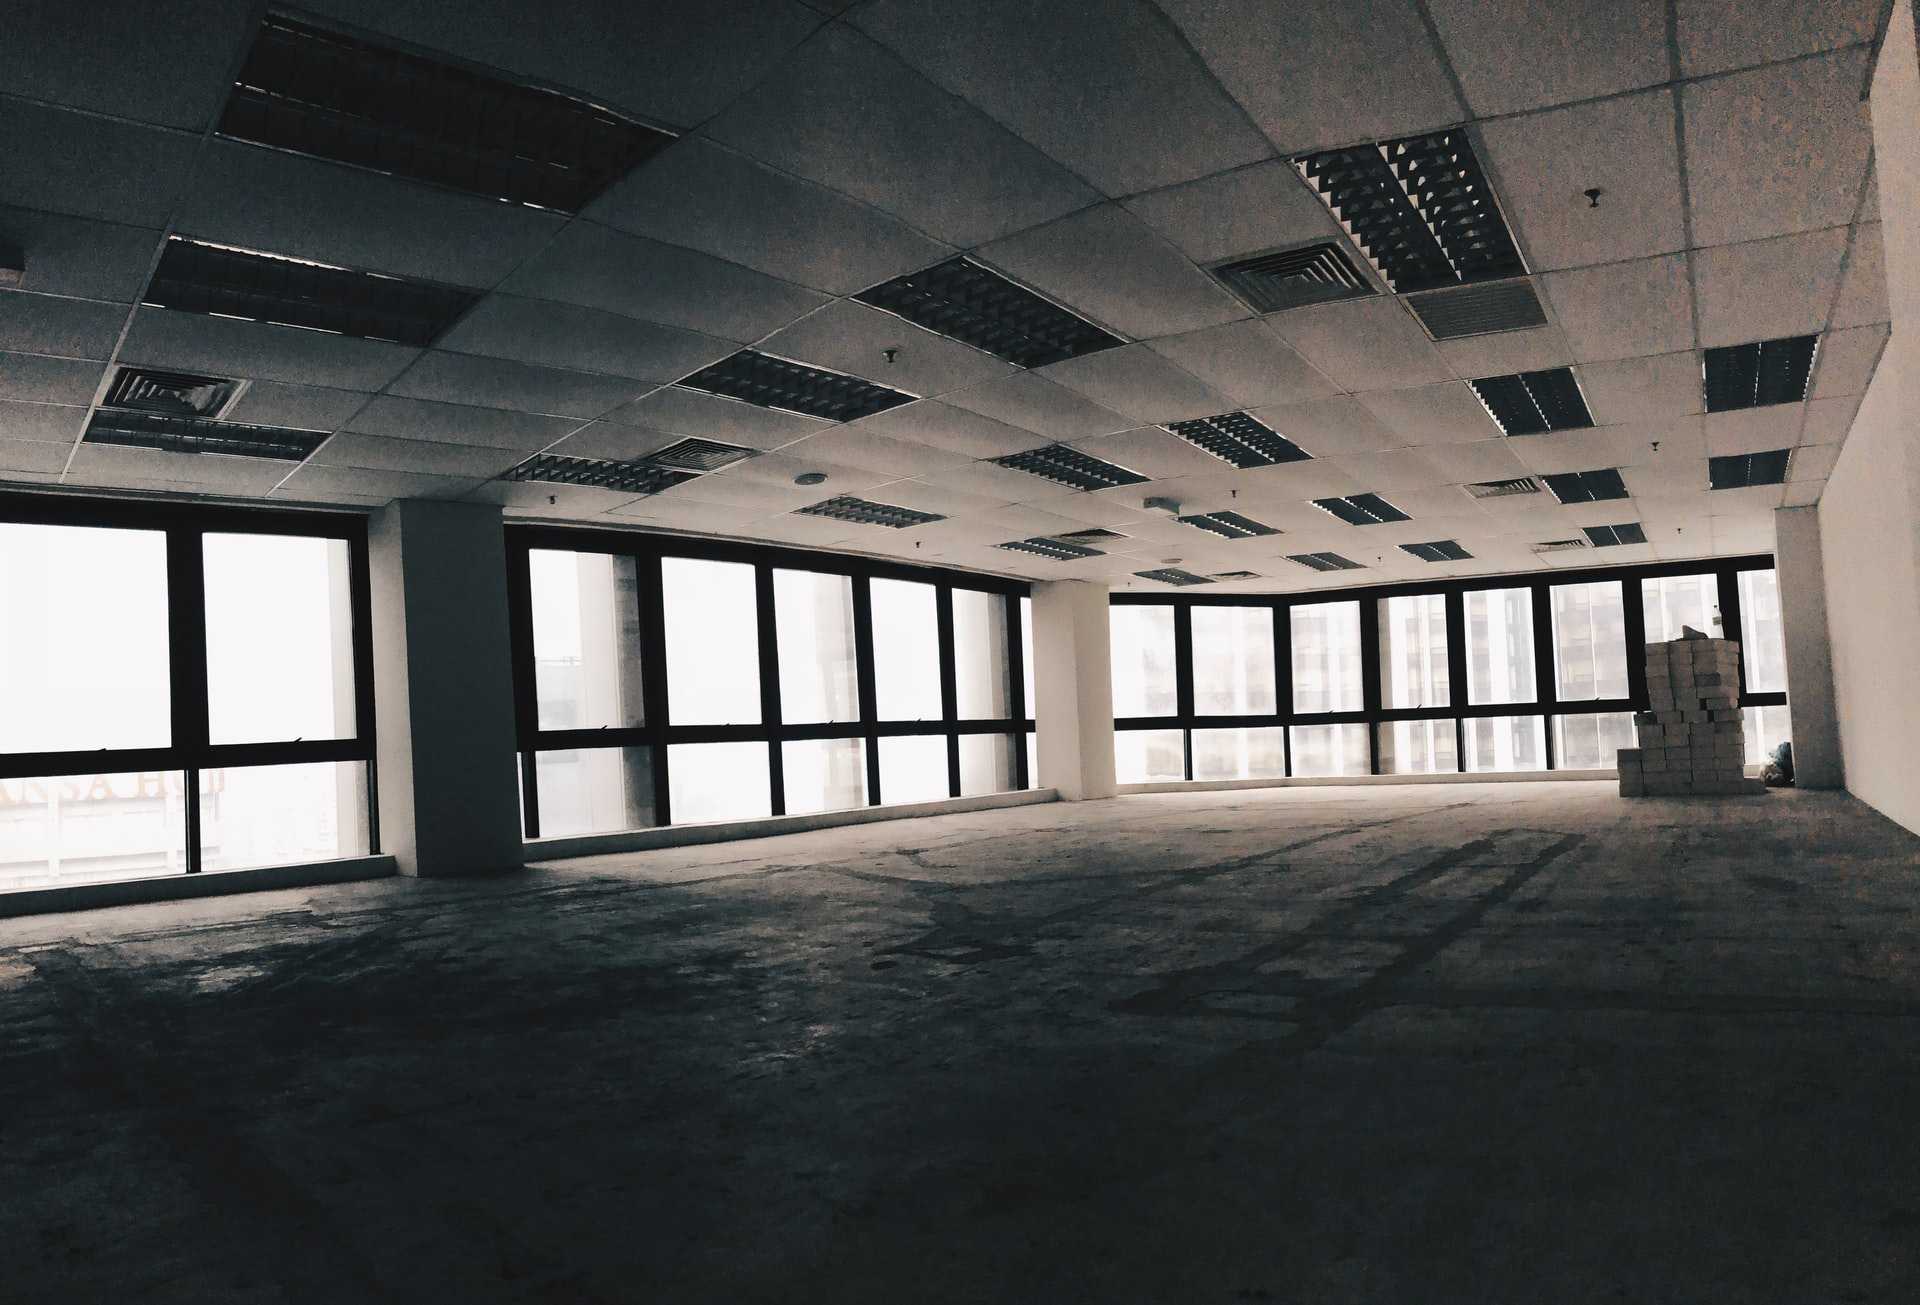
{"type": "Point", "coordinates": [1073, 686]}
{"type": "Point", "coordinates": [1803, 616]}
{"type": "Point", "coordinates": [443, 688]}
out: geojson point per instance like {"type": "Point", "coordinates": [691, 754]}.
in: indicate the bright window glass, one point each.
{"type": "Point", "coordinates": [1413, 651]}
{"type": "Point", "coordinates": [1324, 750]}
{"type": "Point", "coordinates": [713, 647]}
{"type": "Point", "coordinates": [1239, 753]}
{"type": "Point", "coordinates": [906, 653]}
{"type": "Point", "coordinates": [1143, 668]}
{"type": "Point", "coordinates": [718, 781]}
{"type": "Point", "coordinates": [282, 815]}
{"type": "Point", "coordinates": [1500, 743]}
{"type": "Point", "coordinates": [986, 764]}
{"type": "Point", "coordinates": [1026, 654]}
{"type": "Point", "coordinates": [1232, 663]}
{"type": "Point", "coordinates": [1672, 602]}
{"type": "Point", "coordinates": [1033, 761]}
{"type": "Point", "coordinates": [1326, 658]}
{"type": "Point", "coordinates": [824, 774]}
{"type": "Point", "coordinates": [594, 790]}
{"type": "Point", "coordinates": [1148, 756]}
{"type": "Point", "coordinates": [586, 640]}
{"type": "Point", "coordinates": [913, 768]}
{"type": "Point", "coordinates": [979, 655]}
{"type": "Point", "coordinates": [83, 639]}
{"type": "Point", "coordinates": [819, 680]}
{"type": "Point", "coordinates": [1765, 728]}
{"type": "Point", "coordinates": [1418, 747]}
{"type": "Point", "coordinates": [1761, 634]}
{"type": "Point", "coordinates": [75, 829]}
{"type": "Point", "coordinates": [279, 638]}
{"type": "Point", "coordinates": [1589, 641]}
{"type": "Point", "coordinates": [1499, 646]}
{"type": "Point", "coordinates": [1593, 741]}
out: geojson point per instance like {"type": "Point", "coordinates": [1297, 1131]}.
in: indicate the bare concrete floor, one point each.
{"type": "Point", "coordinates": [1524, 1043]}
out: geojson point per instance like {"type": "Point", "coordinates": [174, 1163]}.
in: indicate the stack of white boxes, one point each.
{"type": "Point", "coordinates": [1692, 740]}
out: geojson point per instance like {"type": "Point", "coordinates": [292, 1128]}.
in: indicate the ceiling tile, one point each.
{"type": "Point", "coordinates": [304, 407]}
{"type": "Point", "coordinates": [114, 465]}
{"type": "Point", "coordinates": [1623, 310]}
{"type": "Point", "coordinates": [1247, 363]}
{"type": "Point", "coordinates": [1829, 420]}
{"type": "Point", "coordinates": [63, 162]}
{"type": "Point", "coordinates": [848, 336]}
{"type": "Point", "coordinates": [1344, 72]}
{"type": "Point", "coordinates": [1802, 493]}
{"type": "Point", "coordinates": [1812, 463]}
{"type": "Point", "coordinates": [1753, 430]}
{"type": "Point", "coordinates": [1460, 464]}
{"type": "Point", "coordinates": [1111, 267]}
{"type": "Point", "coordinates": [845, 112]}
{"type": "Point", "coordinates": [1542, 163]}
{"type": "Point", "coordinates": [693, 412]}
{"type": "Point", "coordinates": [1246, 211]}
{"type": "Point", "coordinates": [1153, 453]}
{"type": "Point", "coordinates": [33, 379]}
{"type": "Point", "coordinates": [1448, 413]}
{"type": "Point", "coordinates": [1513, 55]}
{"type": "Point", "coordinates": [1506, 352]}
{"type": "Point", "coordinates": [612, 442]}
{"type": "Point", "coordinates": [1776, 150]}
{"type": "Point", "coordinates": [780, 468]}
{"type": "Point", "coordinates": [454, 423]}
{"type": "Point", "coordinates": [176, 73]}
{"type": "Point", "coordinates": [41, 423]}
{"type": "Point", "coordinates": [757, 498]}
{"type": "Point", "coordinates": [1716, 37]}
{"type": "Point", "coordinates": [1032, 402]}
{"type": "Point", "coordinates": [68, 328]}
{"type": "Point", "coordinates": [566, 335]}
{"type": "Point", "coordinates": [594, 267]}
{"type": "Point", "coordinates": [533, 498]}
{"type": "Point", "coordinates": [1363, 344]}
{"type": "Point", "coordinates": [707, 197]}
{"type": "Point", "coordinates": [1606, 446]}
{"type": "Point", "coordinates": [1768, 288]}
{"type": "Point", "coordinates": [1863, 290]}
{"type": "Point", "coordinates": [31, 459]}
{"type": "Point", "coordinates": [1136, 382]}
{"type": "Point", "coordinates": [1680, 487]}
{"type": "Point", "coordinates": [1642, 389]}
{"type": "Point", "coordinates": [1301, 482]}
{"type": "Point", "coordinates": [852, 446]}
{"type": "Point", "coordinates": [218, 346]}
{"type": "Point", "coordinates": [1846, 361]}
{"type": "Point", "coordinates": [1104, 86]}
{"type": "Point", "coordinates": [78, 256]}
{"type": "Point", "coordinates": [314, 482]}
{"type": "Point", "coordinates": [381, 453]}
{"type": "Point", "coordinates": [499, 383]}
{"type": "Point", "coordinates": [1332, 426]}
{"type": "Point", "coordinates": [1395, 469]}
{"type": "Point", "coordinates": [943, 426]}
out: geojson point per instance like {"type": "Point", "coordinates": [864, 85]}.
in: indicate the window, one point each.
{"type": "Point", "coordinates": [906, 652]}
{"type": "Point", "coordinates": [980, 655]}
{"type": "Point", "coordinates": [1232, 662]}
{"type": "Point", "coordinates": [1413, 651]}
{"type": "Point", "coordinates": [1499, 646]}
{"type": "Point", "coordinates": [717, 781]}
{"type": "Point", "coordinates": [819, 681]}
{"type": "Point", "coordinates": [1589, 641]}
{"type": "Point", "coordinates": [595, 790]}
{"type": "Point", "coordinates": [1026, 660]}
{"type": "Point", "coordinates": [1323, 750]}
{"type": "Point", "coordinates": [824, 774]}
{"type": "Point", "coordinates": [1239, 754]}
{"type": "Point", "coordinates": [586, 640]}
{"type": "Point", "coordinates": [1326, 660]}
{"type": "Point", "coordinates": [913, 768]}
{"type": "Point", "coordinates": [1766, 728]}
{"type": "Point", "coordinates": [1762, 639]}
{"type": "Point", "coordinates": [713, 643]}
{"type": "Point", "coordinates": [1672, 602]}
{"type": "Point", "coordinates": [1143, 666]}
{"type": "Point", "coordinates": [280, 815]}
{"type": "Point", "coordinates": [1418, 747]}
{"type": "Point", "coordinates": [1592, 741]}
{"type": "Point", "coordinates": [279, 639]}
{"type": "Point", "coordinates": [1496, 743]}
{"type": "Point", "coordinates": [1149, 756]}
{"type": "Point", "coordinates": [986, 764]}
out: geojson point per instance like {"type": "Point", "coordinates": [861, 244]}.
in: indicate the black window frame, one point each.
{"type": "Point", "coordinates": [184, 526]}
{"type": "Point", "coordinates": [1545, 704]}
{"type": "Point", "coordinates": [647, 549]}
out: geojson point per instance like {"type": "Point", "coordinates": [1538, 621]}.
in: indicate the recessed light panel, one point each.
{"type": "Point", "coordinates": [1759, 374]}
{"type": "Point", "coordinates": [862, 512]}
{"type": "Point", "coordinates": [1324, 562]}
{"type": "Point", "coordinates": [1613, 536]}
{"type": "Point", "coordinates": [1229, 525]}
{"type": "Point", "coordinates": [975, 305]}
{"type": "Point", "coordinates": [195, 277]}
{"type": "Point", "coordinates": [1744, 470]}
{"type": "Point", "coordinates": [1534, 403]}
{"type": "Point", "coordinates": [1240, 439]}
{"type": "Point", "coordinates": [329, 96]}
{"type": "Point", "coordinates": [598, 473]}
{"type": "Point", "coordinates": [153, 430]}
{"type": "Point", "coordinates": [1294, 278]}
{"type": "Point", "coordinates": [1361, 509]}
{"type": "Point", "coordinates": [1057, 549]}
{"type": "Point", "coordinates": [769, 382]}
{"type": "Point", "coordinates": [1068, 466]}
{"type": "Point", "coordinates": [1439, 550]}
{"type": "Point", "coordinates": [1173, 575]}
{"type": "Point", "coordinates": [1587, 486]}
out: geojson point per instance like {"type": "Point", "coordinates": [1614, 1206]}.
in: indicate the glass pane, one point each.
{"type": "Point", "coordinates": [1506, 743]}
{"type": "Point", "coordinates": [586, 640]}
{"type": "Point", "coordinates": [1760, 632]}
{"type": "Point", "coordinates": [986, 764]}
{"type": "Point", "coordinates": [1418, 747]}
{"type": "Point", "coordinates": [1142, 661]}
{"type": "Point", "coordinates": [282, 815]}
{"type": "Point", "coordinates": [1033, 761]}
{"type": "Point", "coordinates": [813, 614]}
{"type": "Point", "coordinates": [594, 790]}
{"type": "Point", "coordinates": [83, 639]}
{"type": "Point", "coordinates": [1148, 756]}
{"type": "Point", "coordinates": [1673, 601]}
{"type": "Point", "coordinates": [713, 647]}
{"type": "Point", "coordinates": [1320, 750]}
{"type": "Point", "coordinates": [1026, 654]}
{"type": "Point", "coordinates": [718, 781]}
{"type": "Point", "coordinates": [1239, 754]}
{"type": "Point", "coordinates": [1413, 651]}
{"type": "Point", "coordinates": [1766, 728]}
{"type": "Point", "coordinates": [906, 654]}
{"type": "Point", "coordinates": [913, 768]}
{"type": "Point", "coordinates": [1326, 659]}
{"type": "Point", "coordinates": [979, 655]}
{"type": "Point", "coordinates": [824, 774]}
{"type": "Point", "coordinates": [1232, 663]}
{"type": "Point", "coordinates": [1499, 646]}
{"type": "Point", "coordinates": [1591, 742]}
{"type": "Point", "coordinates": [87, 828]}
{"type": "Point", "coordinates": [279, 638]}
{"type": "Point", "coordinates": [1589, 641]}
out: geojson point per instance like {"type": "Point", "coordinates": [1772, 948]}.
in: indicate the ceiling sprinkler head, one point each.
{"type": "Point", "coordinates": [1593, 194]}
{"type": "Point", "coordinates": [889, 355]}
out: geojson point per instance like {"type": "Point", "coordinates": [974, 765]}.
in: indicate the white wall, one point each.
{"type": "Point", "coordinates": [1803, 614]}
{"type": "Point", "coordinates": [1073, 688]}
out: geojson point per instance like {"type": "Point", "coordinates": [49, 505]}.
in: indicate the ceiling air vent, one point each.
{"type": "Point", "coordinates": [1229, 525]}
{"type": "Point", "coordinates": [1361, 509]}
{"type": "Point", "coordinates": [1068, 466]}
{"type": "Point", "coordinates": [329, 96]}
{"type": "Point", "coordinates": [699, 455]}
{"type": "Point", "coordinates": [1173, 575]}
{"type": "Point", "coordinates": [173, 393]}
{"type": "Point", "coordinates": [1560, 545]}
{"type": "Point", "coordinates": [598, 473]}
{"type": "Point", "coordinates": [861, 512]}
{"type": "Point", "coordinates": [1744, 470]}
{"type": "Point", "coordinates": [1440, 550]}
{"type": "Point", "coordinates": [153, 430]}
{"type": "Point", "coordinates": [1504, 488]}
{"type": "Point", "coordinates": [1057, 549]}
{"type": "Point", "coordinates": [1236, 575]}
{"type": "Point", "coordinates": [1534, 403]}
{"type": "Point", "coordinates": [1240, 439]}
{"type": "Point", "coordinates": [1760, 374]}
{"type": "Point", "coordinates": [1094, 534]}
{"type": "Point", "coordinates": [964, 301]}
{"type": "Point", "coordinates": [1612, 536]}
{"type": "Point", "coordinates": [196, 277]}
{"type": "Point", "coordinates": [1479, 309]}
{"type": "Point", "coordinates": [769, 382]}
{"type": "Point", "coordinates": [1587, 486]}
{"type": "Point", "coordinates": [1294, 278]}
{"type": "Point", "coordinates": [1324, 562]}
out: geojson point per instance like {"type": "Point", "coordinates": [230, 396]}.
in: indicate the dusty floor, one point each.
{"type": "Point", "coordinates": [1469, 1043]}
